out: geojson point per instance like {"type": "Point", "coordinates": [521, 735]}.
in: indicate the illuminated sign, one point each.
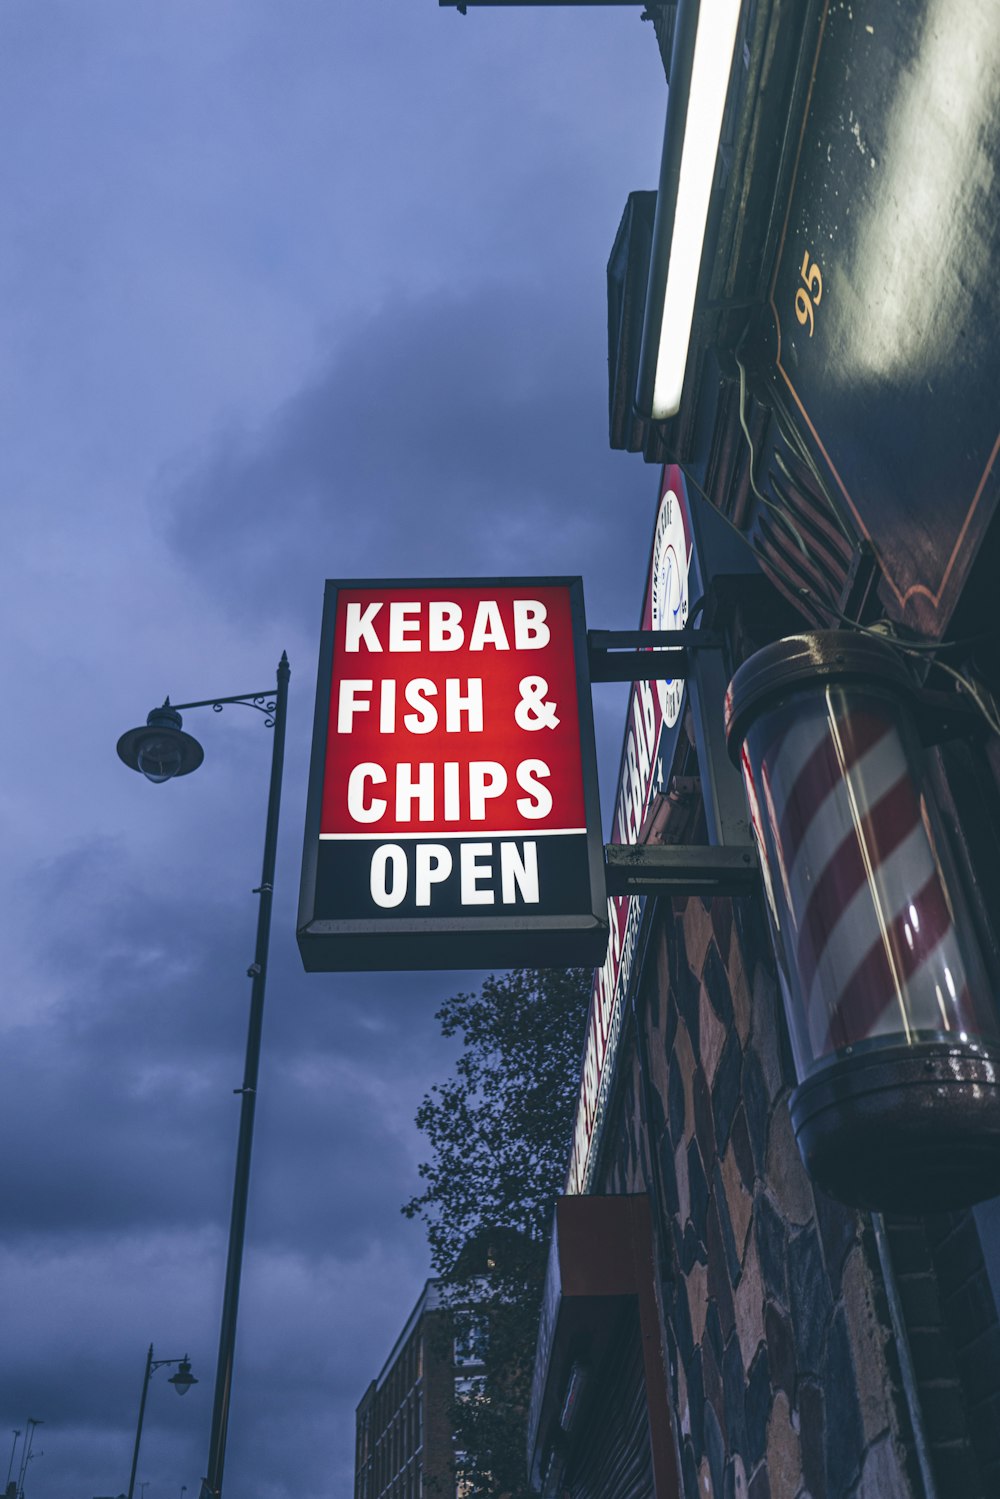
{"type": "Point", "coordinates": [651, 733]}
{"type": "Point", "coordinates": [453, 819]}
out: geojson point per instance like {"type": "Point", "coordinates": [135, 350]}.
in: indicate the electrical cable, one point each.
{"type": "Point", "coordinates": [887, 627]}
{"type": "Point", "coordinates": [797, 445]}
{"type": "Point", "coordinates": [780, 511]}
{"type": "Point", "coordinates": [793, 439]}
{"type": "Point", "coordinates": [807, 593]}
{"type": "Point", "coordinates": [967, 685]}
{"type": "Point", "coordinates": [746, 432]}
{"type": "Point", "coordinates": [885, 630]}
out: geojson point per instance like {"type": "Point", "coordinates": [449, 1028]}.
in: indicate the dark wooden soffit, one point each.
{"type": "Point", "coordinates": [884, 299]}
{"type": "Point", "coordinates": [601, 1253]}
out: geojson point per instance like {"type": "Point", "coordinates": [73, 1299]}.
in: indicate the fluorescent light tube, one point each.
{"type": "Point", "coordinates": [710, 69]}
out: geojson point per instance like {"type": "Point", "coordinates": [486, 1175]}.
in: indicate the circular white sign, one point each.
{"type": "Point", "coordinates": [669, 591]}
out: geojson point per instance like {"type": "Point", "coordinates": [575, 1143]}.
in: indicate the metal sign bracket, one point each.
{"type": "Point", "coordinates": [615, 655]}
{"type": "Point", "coordinates": [678, 869]}
{"type": "Point", "coordinates": [728, 864]}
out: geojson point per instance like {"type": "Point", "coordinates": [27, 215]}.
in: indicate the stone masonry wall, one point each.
{"type": "Point", "coordinates": [781, 1363]}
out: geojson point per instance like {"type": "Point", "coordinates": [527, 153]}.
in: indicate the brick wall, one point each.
{"type": "Point", "coordinates": [783, 1371]}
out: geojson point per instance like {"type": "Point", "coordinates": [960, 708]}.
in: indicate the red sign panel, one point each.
{"type": "Point", "coordinates": [453, 779]}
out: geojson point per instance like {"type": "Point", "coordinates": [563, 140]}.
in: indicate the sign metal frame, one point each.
{"type": "Point", "coordinates": [478, 940]}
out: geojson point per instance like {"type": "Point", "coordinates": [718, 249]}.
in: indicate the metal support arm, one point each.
{"type": "Point", "coordinates": [680, 869]}
{"type": "Point", "coordinates": [615, 655]}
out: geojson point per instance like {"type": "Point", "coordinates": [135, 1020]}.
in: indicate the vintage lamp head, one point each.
{"type": "Point", "coordinates": [160, 749]}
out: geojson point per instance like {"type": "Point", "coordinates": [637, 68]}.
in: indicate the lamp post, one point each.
{"type": "Point", "coordinates": [161, 750]}
{"type": "Point", "coordinates": [32, 1456]}
{"type": "Point", "coordinates": [26, 1453]}
{"type": "Point", "coordinates": [181, 1381]}
{"type": "Point", "coordinates": [10, 1465]}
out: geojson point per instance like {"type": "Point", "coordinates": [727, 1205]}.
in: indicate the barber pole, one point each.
{"type": "Point", "coordinates": [895, 1037]}
{"type": "Point", "coordinates": [875, 945]}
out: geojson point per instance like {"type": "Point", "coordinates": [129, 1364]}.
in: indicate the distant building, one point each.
{"type": "Point", "coordinates": [404, 1437]}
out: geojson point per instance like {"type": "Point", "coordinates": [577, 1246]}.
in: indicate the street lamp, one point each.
{"type": "Point", "coordinates": [181, 1381]}
{"type": "Point", "coordinates": [32, 1456]}
{"type": "Point", "coordinates": [26, 1454]}
{"type": "Point", "coordinates": [161, 750]}
{"type": "Point", "coordinates": [10, 1465]}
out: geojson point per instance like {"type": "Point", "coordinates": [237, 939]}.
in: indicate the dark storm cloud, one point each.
{"type": "Point", "coordinates": [120, 1111]}
{"type": "Point", "coordinates": [462, 435]}
{"type": "Point", "coordinates": [197, 207]}
{"type": "Point", "coordinates": [447, 435]}
{"type": "Point", "coordinates": [305, 1328]}
{"type": "Point", "coordinates": [139, 1095]}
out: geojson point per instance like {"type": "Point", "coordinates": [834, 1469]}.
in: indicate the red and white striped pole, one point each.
{"type": "Point", "coordinates": [895, 1033]}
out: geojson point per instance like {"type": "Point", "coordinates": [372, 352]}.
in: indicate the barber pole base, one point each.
{"type": "Point", "coordinates": [903, 1131]}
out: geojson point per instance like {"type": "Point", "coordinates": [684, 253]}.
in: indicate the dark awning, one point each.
{"type": "Point", "coordinates": [600, 1263]}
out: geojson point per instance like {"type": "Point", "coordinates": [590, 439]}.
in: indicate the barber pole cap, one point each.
{"type": "Point", "coordinates": [894, 1030]}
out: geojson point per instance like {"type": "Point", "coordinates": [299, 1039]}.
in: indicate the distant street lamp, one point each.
{"type": "Point", "coordinates": [32, 1457]}
{"type": "Point", "coordinates": [26, 1454]}
{"type": "Point", "coordinates": [10, 1465]}
{"type": "Point", "coordinates": [161, 750]}
{"type": "Point", "coordinates": [181, 1381]}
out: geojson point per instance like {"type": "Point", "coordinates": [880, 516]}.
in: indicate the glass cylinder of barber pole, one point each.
{"type": "Point", "coordinates": [894, 1029]}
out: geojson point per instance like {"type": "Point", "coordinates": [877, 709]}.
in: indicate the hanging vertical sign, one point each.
{"type": "Point", "coordinates": [452, 817]}
{"type": "Point", "coordinates": [651, 733]}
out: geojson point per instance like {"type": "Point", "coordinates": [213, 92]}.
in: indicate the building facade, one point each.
{"type": "Point", "coordinates": [717, 1323]}
{"type": "Point", "coordinates": [404, 1436]}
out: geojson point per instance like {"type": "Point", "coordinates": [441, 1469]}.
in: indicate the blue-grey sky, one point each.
{"type": "Point", "coordinates": [288, 292]}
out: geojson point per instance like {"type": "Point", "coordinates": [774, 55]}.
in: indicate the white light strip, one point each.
{"type": "Point", "coordinates": [711, 67]}
{"type": "Point", "coordinates": [460, 833]}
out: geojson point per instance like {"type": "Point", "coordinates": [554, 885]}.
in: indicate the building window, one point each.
{"type": "Point", "coordinates": [470, 1337]}
{"type": "Point", "coordinates": [463, 1485]}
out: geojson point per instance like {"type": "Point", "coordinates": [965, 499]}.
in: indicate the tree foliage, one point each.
{"type": "Point", "coordinates": [499, 1134]}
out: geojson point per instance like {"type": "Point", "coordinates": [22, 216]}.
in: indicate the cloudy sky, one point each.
{"type": "Point", "coordinates": [288, 292]}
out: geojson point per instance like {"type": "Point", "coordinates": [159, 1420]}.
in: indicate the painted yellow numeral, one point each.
{"type": "Point", "coordinates": [809, 294]}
